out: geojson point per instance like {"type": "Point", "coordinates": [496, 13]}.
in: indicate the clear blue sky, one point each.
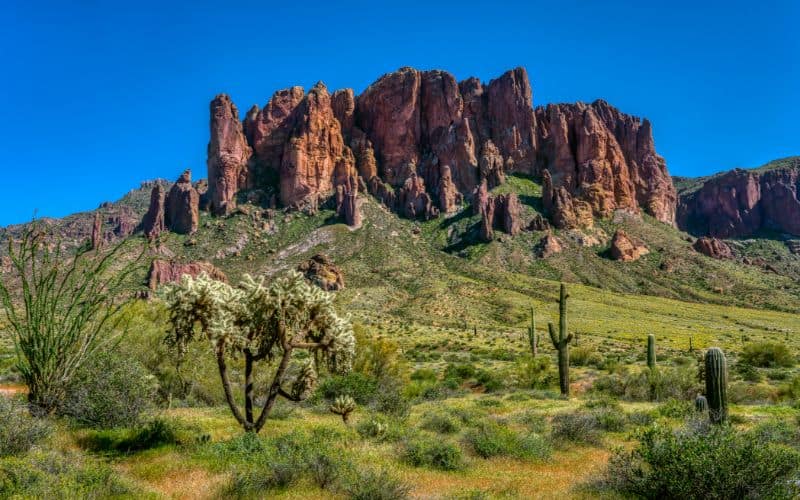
{"type": "Point", "coordinates": [97, 98]}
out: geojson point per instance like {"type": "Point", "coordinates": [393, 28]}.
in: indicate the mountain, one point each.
{"type": "Point", "coordinates": [741, 203]}
{"type": "Point", "coordinates": [444, 185]}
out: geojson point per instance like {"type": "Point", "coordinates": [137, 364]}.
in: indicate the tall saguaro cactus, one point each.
{"type": "Point", "coordinates": [651, 351]}
{"type": "Point", "coordinates": [716, 368]}
{"type": "Point", "coordinates": [533, 339]}
{"type": "Point", "coordinates": [561, 342]}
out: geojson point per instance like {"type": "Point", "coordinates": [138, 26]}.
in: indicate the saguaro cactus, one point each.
{"type": "Point", "coordinates": [700, 404]}
{"type": "Point", "coordinates": [651, 351]}
{"type": "Point", "coordinates": [561, 343]}
{"type": "Point", "coordinates": [716, 372]}
{"type": "Point", "coordinates": [533, 339]}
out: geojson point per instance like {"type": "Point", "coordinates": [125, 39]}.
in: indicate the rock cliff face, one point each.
{"type": "Point", "coordinates": [742, 202]}
{"type": "Point", "coordinates": [422, 142]}
{"type": "Point", "coordinates": [162, 271]}
{"type": "Point", "coordinates": [181, 206]}
{"type": "Point", "coordinates": [604, 158]}
{"type": "Point", "coordinates": [153, 221]}
{"type": "Point", "coordinates": [625, 248]}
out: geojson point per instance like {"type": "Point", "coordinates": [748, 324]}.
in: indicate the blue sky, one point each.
{"type": "Point", "coordinates": [98, 97]}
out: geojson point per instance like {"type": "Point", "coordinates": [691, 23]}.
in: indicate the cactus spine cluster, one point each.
{"type": "Point", "coordinates": [561, 342]}
{"type": "Point", "coordinates": [716, 371]}
{"type": "Point", "coordinates": [651, 351]}
{"type": "Point", "coordinates": [533, 340]}
{"type": "Point", "coordinates": [343, 406]}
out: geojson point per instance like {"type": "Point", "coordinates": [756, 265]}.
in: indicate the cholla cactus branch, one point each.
{"type": "Point", "coordinates": [261, 321]}
{"type": "Point", "coordinates": [343, 406]}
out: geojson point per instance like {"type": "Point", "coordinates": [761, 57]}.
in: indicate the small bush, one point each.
{"type": "Point", "coordinates": [489, 381]}
{"type": "Point", "coordinates": [710, 462]}
{"type": "Point", "coordinates": [434, 453]}
{"type": "Point", "coordinates": [533, 421]}
{"type": "Point", "coordinates": [109, 391]}
{"type": "Point", "coordinates": [153, 434]}
{"type": "Point", "coordinates": [767, 355]}
{"type": "Point", "coordinates": [492, 439]}
{"type": "Point", "coordinates": [681, 382]}
{"type": "Point", "coordinates": [640, 418]}
{"type": "Point", "coordinates": [610, 420]}
{"type": "Point", "coordinates": [441, 423]}
{"type": "Point", "coordinates": [376, 485]}
{"type": "Point", "coordinates": [746, 393]}
{"type": "Point", "coordinates": [585, 356]}
{"type": "Point", "coordinates": [381, 428]}
{"type": "Point", "coordinates": [578, 427]}
{"type": "Point", "coordinates": [424, 375]}
{"type": "Point", "coordinates": [463, 371]}
{"type": "Point", "coordinates": [19, 432]}
{"type": "Point", "coordinates": [363, 388]}
{"type": "Point", "coordinates": [536, 373]}
{"type": "Point", "coordinates": [675, 408]}
{"type": "Point", "coordinates": [748, 372]}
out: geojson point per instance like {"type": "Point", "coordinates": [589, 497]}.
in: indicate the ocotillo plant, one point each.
{"type": "Point", "coordinates": [651, 351]}
{"type": "Point", "coordinates": [700, 404]}
{"type": "Point", "coordinates": [561, 343]}
{"type": "Point", "coordinates": [716, 372]}
{"type": "Point", "coordinates": [533, 340]}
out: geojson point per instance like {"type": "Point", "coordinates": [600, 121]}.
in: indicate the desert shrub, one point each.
{"type": "Point", "coordinates": [361, 387]}
{"type": "Point", "coordinates": [603, 401]}
{"type": "Point", "coordinates": [748, 372]}
{"type": "Point", "coordinates": [109, 391]}
{"type": "Point", "coordinates": [489, 381]}
{"type": "Point", "coordinates": [391, 399]}
{"type": "Point", "coordinates": [152, 434]}
{"type": "Point", "coordinates": [676, 408]}
{"type": "Point", "coordinates": [681, 382]}
{"type": "Point", "coordinates": [461, 372]}
{"type": "Point", "coordinates": [423, 451]}
{"type": "Point", "coordinates": [381, 428]}
{"type": "Point", "coordinates": [424, 375]}
{"type": "Point", "coordinates": [585, 356]}
{"type": "Point", "coordinates": [19, 432]}
{"type": "Point", "coordinates": [441, 423]}
{"type": "Point", "coordinates": [468, 416]}
{"type": "Point", "coordinates": [536, 373]}
{"type": "Point", "coordinates": [641, 418]}
{"type": "Point", "coordinates": [533, 421]}
{"type": "Point", "coordinates": [378, 357]}
{"type": "Point", "coordinates": [767, 355]}
{"type": "Point", "coordinates": [777, 431]}
{"type": "Point", "coordinates": [492, 439]}
{"type": "Point", "coordinates": [778, 374]}
{"type": "Point", "coordinates": [713, 462]}
{"type": "Point", "coordinates": [610, 419]}
{"type": "Point", "coordinates": [376, 485]}
{"type": "Point", "coordinates": [791, 389]}
{"type": "Point", "coordinates": [50, 474]}
{"type": "Point", "coordinates": [746, 393]}
{"type": "Point", "coordinates": [577, 427]}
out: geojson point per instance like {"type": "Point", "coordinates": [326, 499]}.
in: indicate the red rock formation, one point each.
{"type": "Point", "coordinates": [414, 201]}
{"type": "Point", "coordinates": [491, 164]}
{"type": "Point", "coordinates": [538, 223]}
{"type": "Point", "coordinates": [742, 202]}
{"type": "Point", "coordinates": [480, 198]}
{"type": "Point", "coordinates": [547, 246]}
{"type": "Point", "coordinates": [503, 212]}
{"type": "Point", "coordinates": [315, 150]}
{"type": "Point", "coordinates": [624, 248]}
{"type": "Point", "coordinates": [321, 271]}
{"type": "Point", "coordinates": [605, 158]}
{"type": "Point", "coordinates": [449, 196]}
{"type": "Point", "coordinates": [228, 156]}
{"type": "Point", "coordinates": [348, 206]}
{"type": "Point", "coordinates": [712, 247]}
{"type": "Point", "coordinates": [509, 109]}
{"type": "Point", "coordinates": [153, 221]}
{"type": "Point", "coordinates": [564, 211]}
{"type": "Point", "coordinates": [486, 228]}
{"type": "Point", "coordinates": [181, 206]}
{"type": "Point", "coordinates": [97, 232]}
{"type": "Point", "coordinates": [162, 271]}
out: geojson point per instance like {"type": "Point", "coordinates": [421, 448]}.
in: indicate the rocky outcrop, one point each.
{"type": "Point", "coordinates": [321, 271]}
{"type": "Point", "coordinates": [538, 223]}
{"type": "Point", "coordinates": [742, 202]}
{"type": "Point", "coordinates": [163, 271]}
{"type": "Point", "coordinates": [181, 206]}
{"type": "Point", "coordinates": [548, 246]}
{"type": "Point", "coordinates": [420, 141]}
{"type": "Point", "coordinates": [604, 158]}
{"type": "Point", "coordinates": [97, 232]}
{"type": "Point", "coordinates": [501, 212]}
{"type": "Point", "coordinates": [348, 205]}
{"type": "Point", "coordinates": [712, 247]}
{"type": "Point", "coordinates": [625, 248]}
{"type": "Point", "coordinates": [153, 221]}
{"type": "Point", "coordinates": [228, 156]}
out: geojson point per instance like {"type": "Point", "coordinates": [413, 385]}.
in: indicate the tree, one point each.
{"type": "Point", "coordinates": [61, 308]}
{"type": "Point", "coordinates": [257, 322]}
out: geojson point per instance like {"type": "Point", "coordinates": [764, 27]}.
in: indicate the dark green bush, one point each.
{"type": "Point", "coordinates": [585, 356]}
{"type": "Point", "coordinates": [381, 428]}
{"type": "Point", "coordinates": [491, 439]}
{"type": "Point", "coordinates": [536, 373]}
{"type": "Point", "coordinates": [489, 381]}
{"type": "Point", "coordinates": [676, 408]}
{"type": "Point", "coordinates": [709, 462]}
{"type": "Point", "coordinates": [152, 434]}
{"type": "Point", "coordinates": [19, 432]}
{"type": "Point", "coordinates": [424, 374]}
{"type": "Point", "coordinates": [610, 419]}
{"type": "Point", "coordinates": [109, 391]}
{"type": "Point", "coordinates": [441, 423]}
{"type": "Point", "coordinates": [767, 355]}
{"type": "Point", "coordinates": [423, 451]}
{"type": "Point", "coordinates": [363, 388]}
{"type": "Point", "coordinates": [681, 382]}
{"type": "Point", "coordinates": [462, 371]}
{"type": "Point", "coordinates": [748, 372]}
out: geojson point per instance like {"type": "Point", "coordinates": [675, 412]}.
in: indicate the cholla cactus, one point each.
{"type": "Point", "coordinates": [344, 406]}
{"type": "Point", "coordinates": [260, 321]}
